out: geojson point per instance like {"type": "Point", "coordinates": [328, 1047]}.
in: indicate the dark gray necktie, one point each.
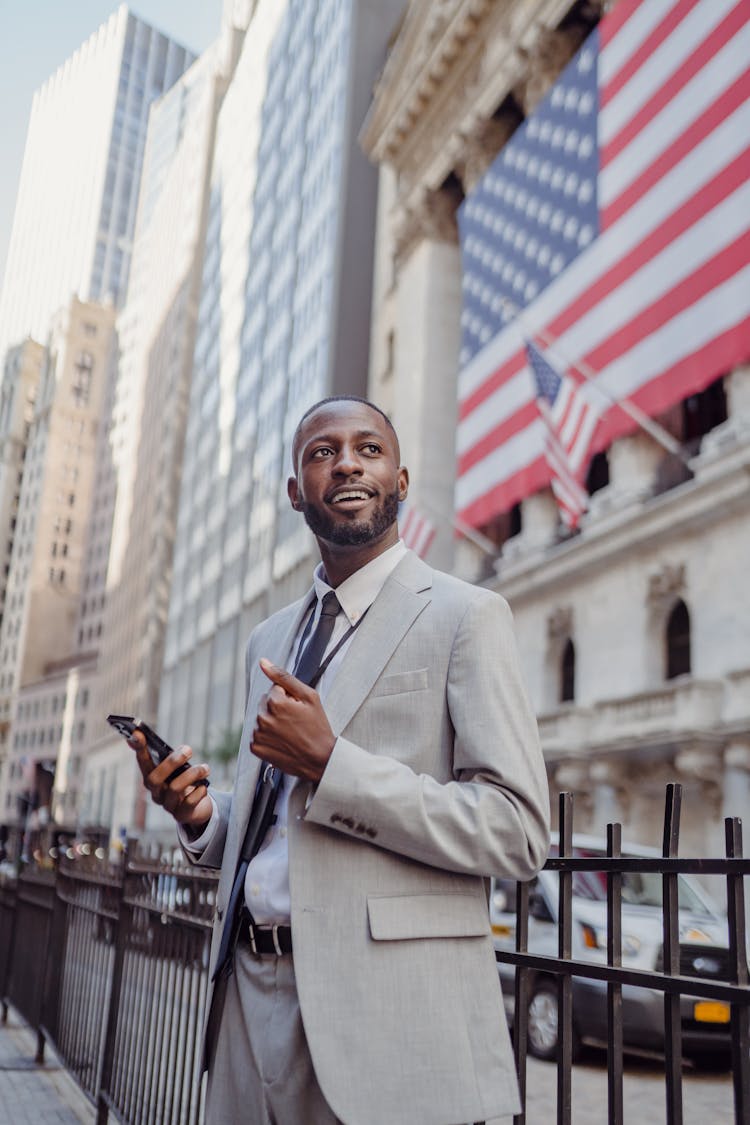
{"type": "Point", "coordinates": [311, 657]}
{"type": "Point", "coordinates": [307, 669]}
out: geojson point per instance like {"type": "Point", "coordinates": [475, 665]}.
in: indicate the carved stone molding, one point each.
{"type": "Point", "coordinates": [434, 218]}
{"type": "Point", "coordinates": [560, 623]}
{"type": "Point", "coordinates": [737, 756]}
{"type": "Point", "coordinates": [665, 587]}
{"type": "Point", "coordinates": [481, 147]}
{"type": "Point", "coordinates": [543, 56]}
{"type": "Point", "coordinates": [452, 65]}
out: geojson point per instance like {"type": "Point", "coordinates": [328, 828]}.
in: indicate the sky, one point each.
{"type": "Point", "coordinates": [36, 36]}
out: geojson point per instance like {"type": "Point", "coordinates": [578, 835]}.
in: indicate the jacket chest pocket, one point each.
{"type": "Point", "coordinates": [399, 683]}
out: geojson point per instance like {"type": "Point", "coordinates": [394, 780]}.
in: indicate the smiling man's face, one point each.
{"type": "Point", "coordinates": [348, 481]}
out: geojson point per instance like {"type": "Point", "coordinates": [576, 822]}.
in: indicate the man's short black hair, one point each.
{"type": "Point", "coordinates": [338, 398]}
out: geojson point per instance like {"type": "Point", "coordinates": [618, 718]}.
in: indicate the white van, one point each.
{"type": "Point", "coordinates": [703, 953]}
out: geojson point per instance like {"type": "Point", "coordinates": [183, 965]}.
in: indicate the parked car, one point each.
{"type": "Point", "coordinates": [703, 953]}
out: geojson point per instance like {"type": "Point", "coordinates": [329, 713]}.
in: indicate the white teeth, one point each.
{"type": "Point", "coordinates": [353, 495]}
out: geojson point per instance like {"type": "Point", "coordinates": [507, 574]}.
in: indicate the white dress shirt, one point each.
{"type": "Point", "coordinates": [267, 880]}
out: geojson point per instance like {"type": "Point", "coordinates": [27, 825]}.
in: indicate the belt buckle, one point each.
{"type": "Point", "coordinates": [251, 935]}
{"type": "Point", "coordinates": [275, 937]}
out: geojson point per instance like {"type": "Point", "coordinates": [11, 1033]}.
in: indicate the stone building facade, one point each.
{"type": "Point", "coordinates": [634, 632]}
{"type": "Point", "coordinates": [47, 560]}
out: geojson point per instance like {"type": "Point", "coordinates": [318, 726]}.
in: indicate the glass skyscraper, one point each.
{"type": "Point", "coordinates": [77, 197]}
{"type": "Point", "coordinates": [283, 321]}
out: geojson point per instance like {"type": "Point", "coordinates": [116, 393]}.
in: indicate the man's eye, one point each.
{"type": "Point", "coordinates": [371, 447]}
{"type": "Point", "coordinates": [322, 452]}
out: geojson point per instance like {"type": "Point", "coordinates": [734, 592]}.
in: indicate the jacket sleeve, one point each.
{"type": "Point", "coordinates": [492, 818]}
{"type": "Point", "coordinates": [208, 850]}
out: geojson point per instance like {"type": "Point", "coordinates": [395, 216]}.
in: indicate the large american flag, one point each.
{"type": "Point", "coordinates": [615, 224]}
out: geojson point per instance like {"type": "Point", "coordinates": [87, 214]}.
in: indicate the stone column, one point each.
{"type": "Point", "coordinates": [608, 783]}
{"type": "Point", "coordinates": [427, 340]}
{"type": "Point", "coordinates": [539, 523]}
{"type": "Point", "coordinates": [698, 769]}
{"type": "Point", "coordinates": [736, 782]}
{"type": "Point", "coordinates": [633, 462]}
{"type": "Point", "coordinates": [736, 796]}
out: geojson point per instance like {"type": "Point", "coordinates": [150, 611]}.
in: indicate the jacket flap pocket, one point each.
{"type": "Point", "coordinates": [401, 681]}
{"type": "Point", "coordinates": [397, 917]}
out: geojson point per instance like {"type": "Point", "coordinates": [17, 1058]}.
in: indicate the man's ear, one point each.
{"type": "Point", "coordinates": [403, 483]}
{"type": "Point", "coordinates": [292, 491]}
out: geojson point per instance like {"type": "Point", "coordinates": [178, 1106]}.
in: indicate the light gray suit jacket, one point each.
{"type": "Point", "coordinates": [436, 780]}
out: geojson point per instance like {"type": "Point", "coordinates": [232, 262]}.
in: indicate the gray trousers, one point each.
{"type": "Point", "coordinates": [261, 1072]}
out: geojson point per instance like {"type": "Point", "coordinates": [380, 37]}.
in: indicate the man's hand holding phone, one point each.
{"type": "Point", "coordinates": [184, 794]}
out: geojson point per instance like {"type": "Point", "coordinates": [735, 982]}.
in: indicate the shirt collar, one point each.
{"type": "Point", "coordinates": [357, 592]}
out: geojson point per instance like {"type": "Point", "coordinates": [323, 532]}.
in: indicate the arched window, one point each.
{"type": "Point", "coordinates": [678, 641]}
{"type": "Point", "coordinates": [568, 673]}
{"type": "Point", "coordinates": [598, 474]}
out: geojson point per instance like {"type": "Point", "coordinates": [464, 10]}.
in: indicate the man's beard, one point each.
{"type": "Point", "coordinates": [355, 533]}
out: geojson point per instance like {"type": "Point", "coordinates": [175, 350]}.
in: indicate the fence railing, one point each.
{"type": "Point", "coordinates": [109, 964]}
{"type": "Point", "coordinates": [730, 989]}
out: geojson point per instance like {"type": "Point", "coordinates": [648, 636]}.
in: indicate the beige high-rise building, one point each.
{"type": "Point", "coordinates": [46, 567]}
{"type": "Point", "coordinates": [23, 365]}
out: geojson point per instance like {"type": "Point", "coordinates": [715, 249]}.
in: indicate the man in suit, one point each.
{"type": "Point", "coordinates": [411, 772]}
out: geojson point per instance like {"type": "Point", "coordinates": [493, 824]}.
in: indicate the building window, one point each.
{"type": "Point", "coordinates": [598, 474]}
{"type": "Point", "coordinates": [82, 372]}
{"type": "Point", "coordinates": [678, 641]}
{"type": "Point", "coordinates": [568, 673]}
{"type": "Point", "coordinates": [703, 412]}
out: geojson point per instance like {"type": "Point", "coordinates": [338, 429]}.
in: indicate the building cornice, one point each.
{"type": "Point", "coordinates": [453, 64]}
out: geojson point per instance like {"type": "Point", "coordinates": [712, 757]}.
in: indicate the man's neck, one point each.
{"type": "Point", "coordinates": [341, 562]}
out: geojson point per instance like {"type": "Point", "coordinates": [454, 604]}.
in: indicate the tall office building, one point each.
{"type": "Point", "coordinates": [77, 196]}
{"type": "Point", "coordinates": [22, 369]}
{"type": "Point", "coordinates": [132, 528]}
{"type": "Point", "coordinates": [69, 251]}
{"type": "Point", "coordinates": [46, 566]}
{"type": "Point", "coordinates": [283, 321]}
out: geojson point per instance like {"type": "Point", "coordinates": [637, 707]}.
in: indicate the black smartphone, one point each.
{"type": "Point", "coordinates": [126, 725]}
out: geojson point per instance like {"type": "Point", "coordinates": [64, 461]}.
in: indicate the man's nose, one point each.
{"type": "Point", "coordinates": [348, 461]}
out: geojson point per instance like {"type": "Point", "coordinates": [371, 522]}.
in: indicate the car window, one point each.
{"type": "Point", "coordinates": [639, 888]}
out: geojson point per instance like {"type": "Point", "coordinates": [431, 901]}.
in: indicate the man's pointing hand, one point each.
{"type": "Point", "coordinates": [292, 730]}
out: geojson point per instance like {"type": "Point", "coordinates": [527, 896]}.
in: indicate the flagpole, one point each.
{"type": "Point", "coordinates": [657, 432]}
{"type": "Point", "coordinates": [481, 541]}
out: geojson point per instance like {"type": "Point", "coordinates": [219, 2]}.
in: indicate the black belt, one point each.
{"type": "Point", "coordinates": [265, 939]}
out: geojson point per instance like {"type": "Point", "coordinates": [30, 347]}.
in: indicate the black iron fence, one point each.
{"type": "Point", "coordinates": [677, 976]}
{"type": "Point", "coordinates": [109, 964]}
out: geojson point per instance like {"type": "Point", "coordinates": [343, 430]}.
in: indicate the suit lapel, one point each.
{"type": "Point", "coordinates": [397, 606]}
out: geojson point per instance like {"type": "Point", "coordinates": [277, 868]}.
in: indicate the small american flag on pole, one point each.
{"type": "Point", "coordinates": [570, 422]}
{"type": "Point", "coordinates": [617, 220]}
{"type": "Point", "coordinates": [416, 530]}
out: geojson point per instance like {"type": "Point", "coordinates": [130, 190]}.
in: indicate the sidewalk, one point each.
{"type": "Point", "coordinates": [32, 1094]}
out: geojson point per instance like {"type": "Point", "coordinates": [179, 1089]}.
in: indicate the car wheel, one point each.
{"type": "Point", "coordinates": [544, 1023]}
